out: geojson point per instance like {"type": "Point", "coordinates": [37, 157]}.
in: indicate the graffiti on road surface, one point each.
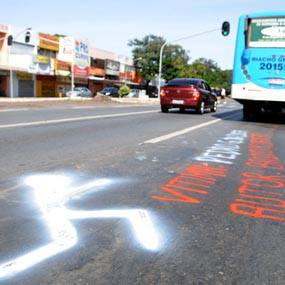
{"type": "Point", "coordinates": [225, 150]}
{"type": "Point", "coordinates": [192, 184]}
{"type": "Point", "coordinates": [52, 192]}
{"type": "Point", "coordinates": [262, 190]}
{"type": "Point", "coordinates": [197, 180]}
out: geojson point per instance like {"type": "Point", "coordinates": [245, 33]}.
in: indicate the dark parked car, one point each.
{"type": "Point", "coordinates": [188, 93]}
{"type": "Point", "coordinates": [110, 91]}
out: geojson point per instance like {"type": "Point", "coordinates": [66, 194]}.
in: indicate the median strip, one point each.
{"type": "Point", "coordinates": [76, 119]}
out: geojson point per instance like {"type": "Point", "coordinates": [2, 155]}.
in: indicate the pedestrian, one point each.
{"type": "Point", "coordinates": [223, 92]}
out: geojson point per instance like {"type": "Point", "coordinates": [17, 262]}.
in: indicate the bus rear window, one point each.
{"type": "Point", "coordinates": [267, 32]}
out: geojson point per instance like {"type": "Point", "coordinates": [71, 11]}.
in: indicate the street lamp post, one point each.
{"type": "Point", "coordinates": [174, 41]}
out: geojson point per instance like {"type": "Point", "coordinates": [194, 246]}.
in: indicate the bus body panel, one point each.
{"type": "Point", "coordinates": [259, 72]}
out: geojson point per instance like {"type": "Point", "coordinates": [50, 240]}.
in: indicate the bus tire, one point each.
{"type": "Point", "coordinates": [248, 112]}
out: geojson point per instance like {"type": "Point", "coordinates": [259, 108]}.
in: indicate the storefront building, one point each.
{"type": "Point", "coordinates": [64, 65]}
{"type": "Point", "coordinates": [22, 55]}
{"type": "Point", "coordinates": [45, 76]}
{"type": "Point", "coordinates": [63, 77]}
{"type": "Point", "coordinates": [47, 65]}
{"type": "Point", "coordinates": [4, 61]}
{"type": "Point", "coordinates": [48, 46]}
{"type": "Point", "coordinates": [97, 72]}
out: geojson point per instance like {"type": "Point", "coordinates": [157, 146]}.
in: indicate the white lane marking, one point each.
{"type": "Point", "coordinates": [185, 131]}
{"type": "Point", "coordinates": [75, 119]}
{"type": "Point", "coordinates": [101, 107]}
{"type": "Point", "coordinates": [14, 110]}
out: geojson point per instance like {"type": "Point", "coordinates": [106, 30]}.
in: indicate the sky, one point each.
{"type": "Point", "coordinates": [111, 24]}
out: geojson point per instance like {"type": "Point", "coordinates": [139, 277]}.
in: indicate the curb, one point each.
{"type": "Point", "coordinates": [136, 100]}
{"type": "Point", "coordinates": [37, 100]}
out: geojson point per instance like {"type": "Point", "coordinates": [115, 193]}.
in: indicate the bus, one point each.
{"type": "Point", "coordinates": [259, 64]}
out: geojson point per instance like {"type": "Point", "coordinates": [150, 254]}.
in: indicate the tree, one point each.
{"type": "Point", "coordinates": [209, 70]}
{"type": "Point", "coordinates": [124, 90]}
{"type": "Point", "coordinates": [146, 58]}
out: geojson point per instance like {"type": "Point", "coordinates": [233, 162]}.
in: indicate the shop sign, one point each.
{"type": "Point", "coordinates": [43, 59]}
{"type": "Point", "coordinates": [112, 67]}
{"type": "Point", "coordinates": [62, 68]}
{"type": "Point", "coordinates": [49, 42]}
{"type": "Point", "coordinates": [62, 65]}
{"type": "Point", "coordinates": [66, 49]}
{"type": "Point", "coordinates": [24, 76]}
{"type": "Point", "coordinates": [81, 58]}
{"type": "Point", "coordinates": [95, 71]}
{"type": "Point", "coordinates": [81, 72]}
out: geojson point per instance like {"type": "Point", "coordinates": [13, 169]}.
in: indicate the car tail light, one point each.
{"type": "Point", "coordinates": [195, 93]}
{"type": "Point", "coordinates": [162, 93]}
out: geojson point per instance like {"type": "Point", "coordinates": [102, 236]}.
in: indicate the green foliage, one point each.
{"type": "Point", "coordinates": [146, 57]}
{"type": "Point", "coordinates": [175, 63]}
{"type": "Point", "coordinates": [124, 90]}
{"type": "Point", "coordinates": [209, 71]}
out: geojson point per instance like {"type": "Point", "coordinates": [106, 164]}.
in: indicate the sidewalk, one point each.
{"type": "Point", "coordinates": [6, 103]}
{"type": "Point", "coordinates": [142, 100]}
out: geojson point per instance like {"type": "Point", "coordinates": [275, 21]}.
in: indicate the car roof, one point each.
{"type": "Point", "coordinates": [188, 78]}
{"type": "Point", "coordinates": [183, 81]}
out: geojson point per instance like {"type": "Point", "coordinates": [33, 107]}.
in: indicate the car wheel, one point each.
{"type": "Point", "coordinates": [164, 109]}
{"type": "Point", "coordinates": [201, 108]}
{"type": "Point", "coordinates": [214, 107]}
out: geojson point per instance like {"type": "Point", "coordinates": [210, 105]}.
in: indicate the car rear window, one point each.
{"type": "Point", "coordinates": [182, 82]}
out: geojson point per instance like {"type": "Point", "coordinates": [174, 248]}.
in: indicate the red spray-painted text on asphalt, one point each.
{"type": "Point", "coordinates": [191, 185]}
{"type": "Point", "coordinates": [261, 195]}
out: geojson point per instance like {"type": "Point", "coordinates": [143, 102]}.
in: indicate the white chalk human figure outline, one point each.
{"type": "Point", "coordinates": [51, 193]}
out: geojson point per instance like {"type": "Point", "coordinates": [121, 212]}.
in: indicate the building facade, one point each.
{"type": "Point", "coordinates": [43, 65]}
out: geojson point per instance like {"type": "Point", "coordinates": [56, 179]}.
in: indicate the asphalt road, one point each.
{"type": "Point", "coordinates": [130, 195]}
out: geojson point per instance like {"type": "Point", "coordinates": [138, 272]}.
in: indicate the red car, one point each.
{"type": "Point", "coordinates": [188, 93]}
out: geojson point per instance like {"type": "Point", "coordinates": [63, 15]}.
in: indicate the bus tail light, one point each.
{"type": "Point", "coordinates": [245, 72]}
